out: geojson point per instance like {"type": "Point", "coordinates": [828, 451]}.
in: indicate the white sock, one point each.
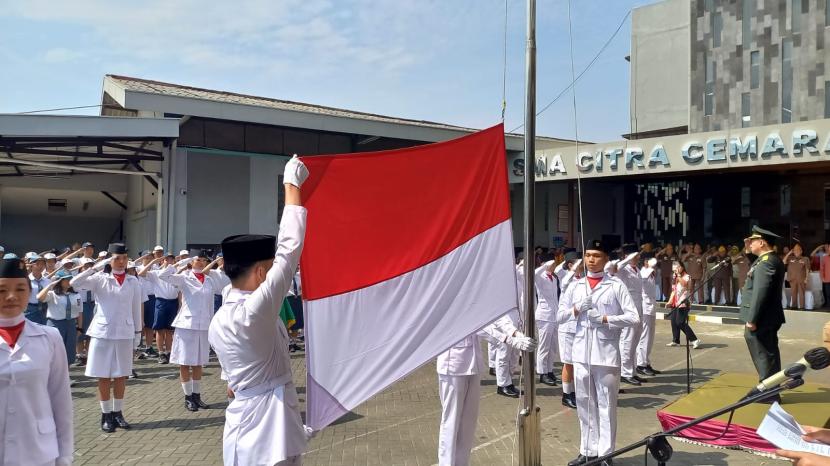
{"type": "Point", "coordinates": [186, 388]}
{"type": "Point", "coordinates": [117, 405]}
{"type": "Point", "coordinates": [106, 406]}
{"type": "Point", "coordinates": [567, 387]}
{"type": "Point", "coordinates": [196, 385]}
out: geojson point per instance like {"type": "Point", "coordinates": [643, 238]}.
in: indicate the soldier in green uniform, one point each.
{"type": "Point", "coordinates": [761, 307]}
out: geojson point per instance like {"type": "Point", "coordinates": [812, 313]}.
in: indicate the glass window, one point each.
{"type": "Point", "coordinates": [717, 29]}
{"type": "Point", "coordinates": [746, 22]}
{"type": "Point", "coordinates": [826, 99]}
{"type": "Point", "coordinates": [709, 92]}
{"type": "Point", "coordinates": [795, 16]}
{"type": "Point", "coordinates": [745, 110]}
{"type": "Point", "coordinates": [786, 81]}
{"type": "Point", "coordinates": [755, 69]}
{"type": "Point", "coordinates": [827, 12]}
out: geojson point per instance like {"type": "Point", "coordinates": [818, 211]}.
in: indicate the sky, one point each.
{"type": "Point", "coordinates": [436, 60]}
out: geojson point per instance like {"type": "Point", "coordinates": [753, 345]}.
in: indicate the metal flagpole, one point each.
{"type": "Point", "coordinates": [528, 425]}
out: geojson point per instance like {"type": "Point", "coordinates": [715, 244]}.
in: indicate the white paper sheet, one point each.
{"type": "Point", "coordinates": [782, 430]}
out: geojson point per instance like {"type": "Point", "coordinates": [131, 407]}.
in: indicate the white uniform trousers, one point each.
{"type": "Point", "coordinates": [629, 339]}
{"type": "Point", "coordinates": [547, 352]}
{"type": "Point", "coordinates": [646, 340]}
{"type": "Point", "coordinates": [566, 343]}
{"type": "Point", "coordinates": [459, 416]}
{"type": "Point", "coordinates": [506, 359]}
{"type": "Point", "coordinates": [491, 355]}
{"type": "Point", "coordinates": [596, 404]}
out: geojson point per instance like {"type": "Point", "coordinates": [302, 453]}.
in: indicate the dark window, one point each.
{"type": "Point", "coordinates": [795, 16]}
{"type": "Point", "coordinates": [826, 99]}
{"type": "Point", "coordinates": [755, 69]}
{"type": "Point", "coordinates": [746, 119]}
{"type": "Point", "coordinates": [787, 81]}
{"type": "Point", "coordinates": [717, 29]}
{"type": "Point", "coordinates": [709, 92]}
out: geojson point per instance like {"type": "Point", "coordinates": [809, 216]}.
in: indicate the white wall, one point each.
{"type": "Point", "coordinates": [264, 188]}
{"type": "Point", "coordinates": [218, 197]}
{"type": "Point", "coordinates": [660, 65]}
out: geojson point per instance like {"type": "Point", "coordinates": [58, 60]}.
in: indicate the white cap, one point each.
{"type": "Point", "coordinates": [102, 254]}
{"type": "Point", "coordinates": [184, 252]}
{"type": "Point", "coordinates": [130, 264]}
{"type": "Point", "coordinates": [66, 261]}
{"type": "Point", "coordinates": [86, 260]}
{"type": "Point", "coordinates": [158, 248]}
{"type": "Point", "coordinates": [49, 256]}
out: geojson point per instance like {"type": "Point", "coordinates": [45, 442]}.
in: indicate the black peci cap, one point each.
{"type": "Point", "coordinates": [596, 245]}
{"type": "Point", "coordinates": [247, 249]}
{"type": "Point", "coordinates": [12, 268]}
{"type": "Point", "coordinates": [117, 248]}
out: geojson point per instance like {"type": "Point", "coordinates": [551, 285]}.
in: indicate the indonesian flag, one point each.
{"type": "Point", "coordinates": [406, 253]}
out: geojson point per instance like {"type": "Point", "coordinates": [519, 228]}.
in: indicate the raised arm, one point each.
{"type": "Point", "coordinates": [43, 294]}
{"type": "Point", "coordinates": [84, 279]}
{"type": "Point", "coordinates": [146, 268]}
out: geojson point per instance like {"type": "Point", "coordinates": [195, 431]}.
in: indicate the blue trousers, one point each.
{"type": "Point", "coordinates": [67, 329]}
{"type": "Point", "coordinates": [36, 313]}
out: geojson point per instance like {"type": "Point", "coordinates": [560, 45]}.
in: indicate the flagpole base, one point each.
{"type": "Point", "coordinates": [529, 432]}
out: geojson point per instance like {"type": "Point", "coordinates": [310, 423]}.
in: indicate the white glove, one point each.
{"type": "Point", "coordinates": [295, 172]}
{"type": "Point", "coordinates": [652, 262]}
{"type": "Point", "coordinates": [595, 317]}
{"type": "Point", "coordinates": [185, 261]}
{"type": "Point", "coordinates": [521, 342]}
{"type": "Point", "coordinates": [575, 265]}
{"type": "Point", "coordinates": [309, 433]}
{"type": "Point", "coordinates": [101, 264]}
{"type": "Point", "coordinates": [585, 305]}
{"type": "Point", "coordinates": [136, 340]}
{"type": "Point", "coordinates": [629, 257]}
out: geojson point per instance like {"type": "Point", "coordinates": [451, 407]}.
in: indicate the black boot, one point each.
{"type": "Point", "coordinates": [547, 380]}
{"type": "Point", "coordinates": [197, 399]}
{"type": "Point", "coordinates": [581, 459]}
{"type": "Point", "coordinates": [119, 420]}
{"type": "Point", "coordinates": [107, 423]}
{"type": "Point", "coordinates": [553, 376]}
{"type": "Point", "coordinates": [189, 404]}
{"type": "Point", "coordinates": [492, 372]}
{"type": "Point", "coordinates": [569, 400]}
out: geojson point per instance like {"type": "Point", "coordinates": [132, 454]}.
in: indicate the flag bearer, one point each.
{"type": "Point", "coordinates": [649, 275]}
{"type": "Point", "coordinates": [547, 290]}
{"type": "Point", "coordinates": [262, 423]}
{"type": "Point", "coordinates": [628, 273]}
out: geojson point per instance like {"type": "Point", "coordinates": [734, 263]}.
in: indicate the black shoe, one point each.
{"type": "Point", "coordinates": [165, 358]}
{"type": "Point", "coordinates": [547, 380]}
{"type": "Point", "coordinates": [197, 399]}
{"type": "Point", "coordinates": [492, 372]}
{"type": "Point", "coordinates": [581, 459]}
{"type": "Point", "coordinates": [133, 375]}
{"type": "Point", "coordinates": [161, 358]}
{"type": "Point", "coordinates": [639, 379]}
{"type": "Point", "coordinates": [142, 355]}
{"type": "Point", "coordinates": [107, 423]}
{"type": "Point", "coordinates": [151, 351]}
{"type": "Point", "coordinates": [631, 381]}
{"type": "Point", "coordinates": [621, 391]}
{"type": "Point", "coordinates": [569, 400]}
{"type": "Point", "coordinates": [508, 391]}
{"type": "Point", "coordinates": [646, 370]}
{"type": "Point", "coordinates": [553, 376]}
{"type": "Point", "coordinates": [189, 404]}
{"type": "Point", "coordinates": [119, 420]}
{"type": "Point", "coordinates": [655, 371]}
{"type": "Point", "coordinates": [81, 362]}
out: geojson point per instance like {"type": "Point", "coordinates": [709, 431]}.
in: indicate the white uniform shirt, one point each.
{"type": "Point", "coordinates": [161, 288]}
{"type": "Point", "coordinates": [37, 285]}
{"type": "Point", "coordinates": [648, 275]}
{"type": "Point", "coordinates": [547, 294]}
{"type": "Point", "coordinates": [56, 305]}
{"type": "Point", "coordinates": [598, 345]}
{"type": "Point", "coordinates": [251, 343]}
{"type": "Point", "coordinates": [197, 297]}
{"type": "Point", "coordinates": [464, 358]}
{"type": "Point", "coordinates": [630, 276]}
{"type": "Point", "coordinates": [35, 400]}
{"type": "Point", "coordinates": [566, 323]}
{"type": "Point", "coordinates": [118, 308]}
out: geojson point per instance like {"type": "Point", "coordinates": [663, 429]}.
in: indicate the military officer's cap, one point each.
{"type": "Point", "coordinates": [596, 245]}
{"type": "Point", "coordinates": [117, 248]}
{"type": "Point", "coordinates": [12, 268]}
{"type": "Point", "coordinates": [247, 249]}
{"type": "Point", "coordinates": [758, 232]}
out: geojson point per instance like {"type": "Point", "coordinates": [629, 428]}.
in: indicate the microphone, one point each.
{"type": "Point", "coordinates": [814, 359]}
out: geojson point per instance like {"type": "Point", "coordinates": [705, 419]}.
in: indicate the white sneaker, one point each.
{"type": "Point", "coordinates": [672, 344]}
{"type": "Point", "coordinates": [695, 344]}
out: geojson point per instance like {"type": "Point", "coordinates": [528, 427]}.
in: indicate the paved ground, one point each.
{"type": "Point", "coordinates": [400, 426]}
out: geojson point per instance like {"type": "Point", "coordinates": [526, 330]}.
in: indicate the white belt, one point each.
{"type": "Point", "coordinates": [264, 387]}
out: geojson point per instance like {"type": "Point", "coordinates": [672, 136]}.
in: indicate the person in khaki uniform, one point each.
{"type": "Point", "coordinates": [665, 258]}
{"type": "Point", "coordinates": [695, 266]}
{"type": "Point", "coordinates": [798, 269]}
{"type": "Point", "coordinates": [722, 278]}
{"type": "Point", "coordinates": [740, 267]}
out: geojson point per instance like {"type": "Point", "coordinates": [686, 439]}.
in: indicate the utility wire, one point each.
{"type": "Point", "coordinates": [579, 76]}
{"type": "Point", "coordinates": [58, 109]}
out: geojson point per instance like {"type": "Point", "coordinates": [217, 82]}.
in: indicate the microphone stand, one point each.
{"type": "Point", "coordinates": [687, 301]}
{"type": "Point", "coordinates": [660, 448]}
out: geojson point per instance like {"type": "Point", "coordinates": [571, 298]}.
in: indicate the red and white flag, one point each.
{"type": "Point", "coordinates": [406, 253]}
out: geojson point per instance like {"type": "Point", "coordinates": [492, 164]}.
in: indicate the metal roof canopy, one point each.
{"type": "Point", "coordinates": [50, 145]}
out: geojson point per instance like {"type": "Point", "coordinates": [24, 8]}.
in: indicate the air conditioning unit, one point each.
{"type": "Point", "coordinates": [57, 205]}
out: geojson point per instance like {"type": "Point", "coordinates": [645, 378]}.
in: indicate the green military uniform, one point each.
{"type": "Point", "coordinates": [761, 305]}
